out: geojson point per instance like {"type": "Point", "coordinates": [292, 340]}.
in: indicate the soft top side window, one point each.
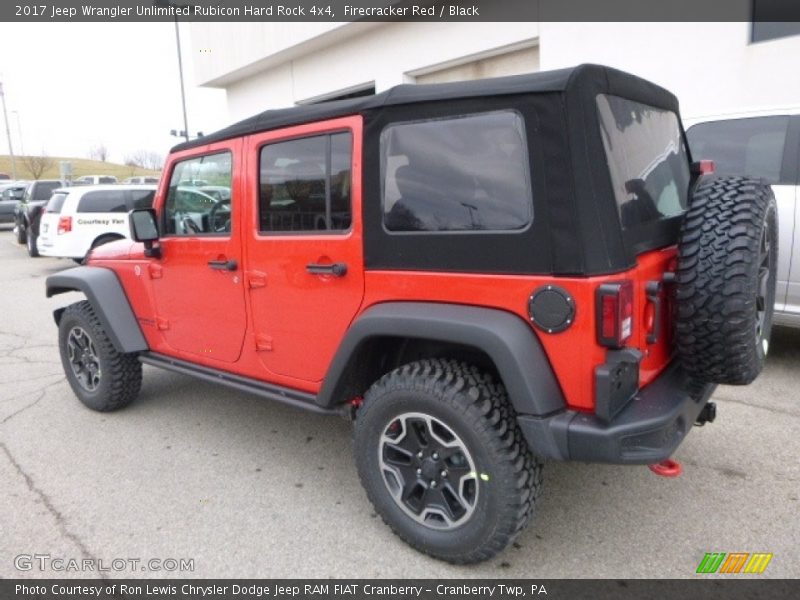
{"type": "Point", "coordinates": [466, 173]}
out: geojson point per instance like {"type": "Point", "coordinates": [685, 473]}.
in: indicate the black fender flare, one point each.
{"type": "Point", "coordinates": [104, 292]}
{"type": "Point", "coordinates": [507, 339]}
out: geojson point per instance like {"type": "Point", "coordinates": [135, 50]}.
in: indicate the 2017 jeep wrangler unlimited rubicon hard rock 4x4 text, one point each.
{"type": "Point", "coordinates": [483, 275]}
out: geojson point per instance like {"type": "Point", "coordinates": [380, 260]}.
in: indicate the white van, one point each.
{"type": "Point", "coordinates": [76, 220]}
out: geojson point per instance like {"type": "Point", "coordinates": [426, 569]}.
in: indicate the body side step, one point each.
{"type": "Point", "coordinates": [278, 393]}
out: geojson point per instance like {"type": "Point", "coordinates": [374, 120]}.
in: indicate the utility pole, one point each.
{"type": "Point", "coordinates": [8, 133]}
{"type": "Point", "coordinates": [180, 73]}
{"type": "Point", "coordinates": [19, 133]}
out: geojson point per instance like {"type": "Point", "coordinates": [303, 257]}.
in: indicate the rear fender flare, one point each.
{"type": "Point", "coordinates": [507, 339]}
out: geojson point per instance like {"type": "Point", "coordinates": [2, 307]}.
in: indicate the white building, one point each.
{"type": "Point", "coordinates": [713, 68]}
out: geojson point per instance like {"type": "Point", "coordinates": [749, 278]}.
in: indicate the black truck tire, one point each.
{"type": "Point", "coordinates": [443, 461]}
{"type": "Point", "coordinates": [21, 234]}
{"type": "Point", "coordinates": [31, 243]}
{"type": "Point", "coordinates": [103, 378]}
{"type": "Point", "coordinates": [725, 280]}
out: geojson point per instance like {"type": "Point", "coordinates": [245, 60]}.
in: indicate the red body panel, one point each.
{"type": "Point", "coordinates": [273, 321]}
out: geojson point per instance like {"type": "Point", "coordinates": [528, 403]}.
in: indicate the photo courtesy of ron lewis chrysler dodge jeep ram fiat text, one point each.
{"type": "Point", "coordinates": [481, 275]}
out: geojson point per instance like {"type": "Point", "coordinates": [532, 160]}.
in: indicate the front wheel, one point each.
{"type": "Point", "coordinates": [443, 461]}
{"type": "Point", "coordinates": [21, 234]}
{"type": "Point", "coordinates": [103, 378]}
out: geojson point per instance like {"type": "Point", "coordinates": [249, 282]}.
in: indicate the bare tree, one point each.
{"type": "Point", "coordinates": [145, 159]}
{"type": "Point", "coordinates": [99, 152]}
{"type": "Point", "coordinates": [37, 165]}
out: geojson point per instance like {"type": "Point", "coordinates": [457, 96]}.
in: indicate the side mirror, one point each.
{"type": "Point", "coordinates": [144, 228]}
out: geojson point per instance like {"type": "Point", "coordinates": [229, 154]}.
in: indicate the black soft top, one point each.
{"type": "Point", "coordinates": [580, 80]}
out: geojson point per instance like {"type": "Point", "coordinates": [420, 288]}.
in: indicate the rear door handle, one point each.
{"type": "Point", "coordinates": [223, 265]}
{"type": "Point", "coordinates": [336, 269]}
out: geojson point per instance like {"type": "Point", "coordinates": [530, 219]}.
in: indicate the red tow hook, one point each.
{"type": "Point", "coordinates": [667, 468]}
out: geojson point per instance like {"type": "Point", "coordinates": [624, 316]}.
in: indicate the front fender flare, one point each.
{"type": "Point", "coordinates": [104, 292]}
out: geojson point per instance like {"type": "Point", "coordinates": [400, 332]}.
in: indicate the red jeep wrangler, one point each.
{"type": "Point", "coordinates": [482, 275]}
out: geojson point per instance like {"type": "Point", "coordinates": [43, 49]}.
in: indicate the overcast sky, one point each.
{"type": "Point", "coordinates": [77, 85]}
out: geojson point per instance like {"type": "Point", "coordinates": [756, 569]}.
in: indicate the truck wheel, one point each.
{"type": "Point", "coordinates": [21, 234]}
{"type": "Point", "coordinates": [443, 461]}
{"type": "Point", "coordinates": [33, 249]}
{"type": "Point", "coordinates": [725, 292]}
{"type": "Point", "coordinates": [101, 377]}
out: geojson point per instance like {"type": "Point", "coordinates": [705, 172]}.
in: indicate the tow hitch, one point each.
{"type": "Point", "coordinates": [707, 415]}
{"type": "Point", "coordinates": [667, 468]}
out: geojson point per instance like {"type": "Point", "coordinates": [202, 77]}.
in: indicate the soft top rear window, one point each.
{"type": "Point", "coordinates": [647, 160]}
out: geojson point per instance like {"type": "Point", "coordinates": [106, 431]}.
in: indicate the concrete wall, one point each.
{"type": "Point", "coordinates": [711, 67]}
{"type": "Point", "coordinates": [260, 72]}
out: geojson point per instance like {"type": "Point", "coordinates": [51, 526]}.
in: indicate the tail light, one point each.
{"type": "Point", "coordinates": [614, 313]}
{"type": "Point", "coordinates": [703, 167]}
{"type": "Point", "coordinates": [64, 225]}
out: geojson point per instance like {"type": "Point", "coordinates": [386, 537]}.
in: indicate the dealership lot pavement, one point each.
{"type": "Point", "coordinates": [248, 488]}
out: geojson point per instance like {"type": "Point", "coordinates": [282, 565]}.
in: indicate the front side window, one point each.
{"type": "Point", "coordinates": [305, 184]}
{"type": "Point", "coordinates": [751, 147]}
{"type": "Point", "coordinates": [646, 158]}
{"type": "Point", "coordinates": [468, 173]}
{"type": "Point", "coordinates": [189, 211]}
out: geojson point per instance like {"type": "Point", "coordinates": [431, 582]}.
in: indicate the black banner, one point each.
{"type": "Point", "coordinates": [377, 589]}
{"type": "Point", "coordinates": [400, 10]}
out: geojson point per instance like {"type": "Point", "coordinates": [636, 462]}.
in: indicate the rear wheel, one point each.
{"type": "Point", "coordinates": [32, 244]}
{"type": "Point", "coordinates": [725, 292]}
{"type": "Point", "coordinates": [443, 461]}
{"type": "Point", "coordinates": [101, 377]}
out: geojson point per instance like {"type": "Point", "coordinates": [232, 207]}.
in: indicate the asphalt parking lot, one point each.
{"type": "Point", "coordinates": [248, 488]}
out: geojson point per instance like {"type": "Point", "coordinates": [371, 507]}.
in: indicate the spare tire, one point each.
{"type": "Point", "coordinates": [725, 280]}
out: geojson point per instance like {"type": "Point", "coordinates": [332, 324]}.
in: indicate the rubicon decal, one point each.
{"type": "Point", "coordinates": [735, 562]}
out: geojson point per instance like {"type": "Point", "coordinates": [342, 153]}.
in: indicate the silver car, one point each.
{"type": "Point", "coordinates": [763, 144]}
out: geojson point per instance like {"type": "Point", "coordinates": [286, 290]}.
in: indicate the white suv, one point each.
{"type": "Point", "coordinates": [763, 144]}
{"type": "Point", "coordinates": [76, 220]}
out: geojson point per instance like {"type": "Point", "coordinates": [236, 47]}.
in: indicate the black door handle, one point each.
{"type": "Point", "coordinates": [336, 269]}
{"type": "Point", "coordinates": [223, 265]}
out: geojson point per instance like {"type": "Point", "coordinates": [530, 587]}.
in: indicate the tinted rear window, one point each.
{"type": "Point", "coordinates": [468, 173]}
{"type": "Point", "coordinates": [752, 147]}
{"type": "Point", "coordinates": [56, 202]}
{"type": "Point", "coordinates": [42, 190]}
{"type": "Point", "coordinates": [107, 180]}
{"type": "Point", "coordinates": [646, 158]}
{"type": "Point", "coordinates": [103, 202]}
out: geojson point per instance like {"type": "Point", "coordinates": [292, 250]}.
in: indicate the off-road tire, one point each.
{"type": "Point", "coordinates": [21, 235]}
{"type": "Point", "coordinates": [31, 244]}
{"type": "Point", "coordinates": [477, 409]}
{"type": "Point", "coordinates": [121, 374]}
{"type": "Point", "coordinates": [725, 280]}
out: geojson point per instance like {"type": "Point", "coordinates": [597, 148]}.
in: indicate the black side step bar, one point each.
{"type": "Point", "coordinates": [284, 395]}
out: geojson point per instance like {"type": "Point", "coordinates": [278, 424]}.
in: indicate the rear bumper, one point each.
{"type": "Point", "coordinates": [646, 431]}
